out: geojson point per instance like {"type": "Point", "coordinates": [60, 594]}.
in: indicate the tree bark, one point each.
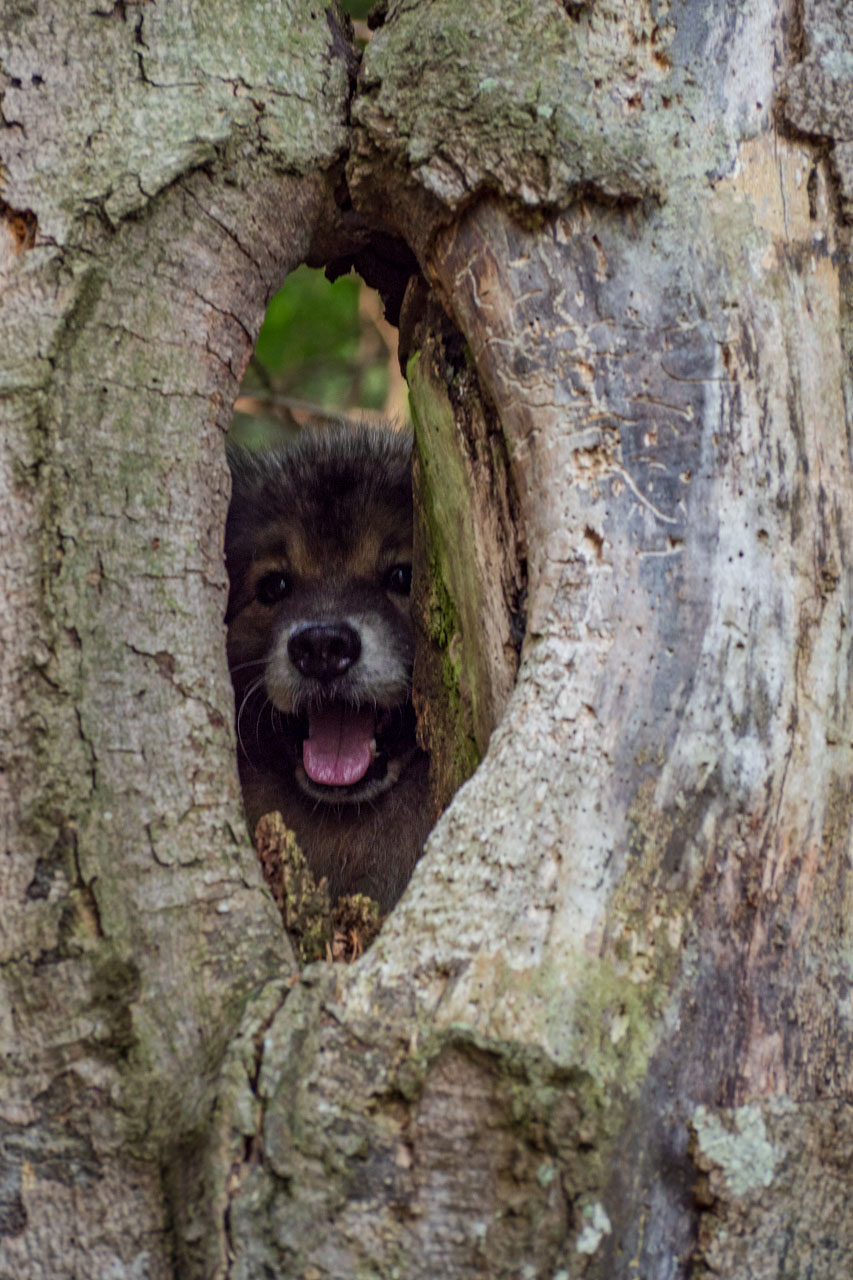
{"type": "Point", "coordinates": [146, 217]}
{"type": "Point", "coordinates": [607, 1031]}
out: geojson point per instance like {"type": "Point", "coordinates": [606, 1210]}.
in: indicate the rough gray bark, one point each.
{"type": "Point", "coordinates": [607, 1031]}
{"type": "Point", "coordinates": [146, 217]}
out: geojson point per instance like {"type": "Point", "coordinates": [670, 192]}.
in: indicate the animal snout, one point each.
{"type": "Point", "coordinates": [324, 650]}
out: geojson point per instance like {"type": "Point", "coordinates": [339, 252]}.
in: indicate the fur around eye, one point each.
{"type": "Point", "coordinates": [272, 587]}
{"type": "Point", "coordinates": [399, 579]}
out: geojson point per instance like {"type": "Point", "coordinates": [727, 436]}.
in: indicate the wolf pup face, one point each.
{"type": "Point", "coordinates": [319, 553]}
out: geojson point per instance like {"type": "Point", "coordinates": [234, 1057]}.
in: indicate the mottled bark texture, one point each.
{"type": "Point", "coordinates": [162, 168]}
{"type": "Point", "coordinates": [607, 1032]}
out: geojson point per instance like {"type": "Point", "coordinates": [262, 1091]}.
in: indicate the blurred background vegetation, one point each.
{"type": "Point", "coordinates": [358, 9]}
{"type": "Point", "coordinates": [325, 350]}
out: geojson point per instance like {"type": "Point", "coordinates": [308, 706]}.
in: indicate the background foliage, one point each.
{"type": "Point", "coordinates": [325, 350]}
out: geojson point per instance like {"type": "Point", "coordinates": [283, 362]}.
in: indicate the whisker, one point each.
{"type": "Point", "coordinates": [247, 696]}
{"type": "Point", "coordinates": [241, 666]}
{"type": "Point", "coordinates": [267, 702]}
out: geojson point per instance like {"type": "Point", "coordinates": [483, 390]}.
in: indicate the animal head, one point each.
{"type": "Point", "coordinates": [319, 552]}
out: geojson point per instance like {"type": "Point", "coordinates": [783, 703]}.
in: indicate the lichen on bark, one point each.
{"type": "Point", "coordinates": [135, 924]}
{"type": "Point", "coordinates": [468, 658]}
{"type": "Point", "coordinates": [635, 907]}
{"type": "Point", "coordinates": [511, 97]}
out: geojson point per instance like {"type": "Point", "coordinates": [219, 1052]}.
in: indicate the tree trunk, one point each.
{"type": "Point", "coordinates": [607, 1031]}
{"type": "Point", "coordinates": [146, 216]}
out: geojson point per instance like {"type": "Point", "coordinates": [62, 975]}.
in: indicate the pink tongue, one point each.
{"type": "Point", "coordinates": [337, 749]}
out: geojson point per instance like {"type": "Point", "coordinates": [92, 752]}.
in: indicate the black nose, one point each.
{"type": "Point", "coordinates": [324, 650]}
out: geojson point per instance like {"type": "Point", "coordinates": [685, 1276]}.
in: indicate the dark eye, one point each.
{"type": "Point", "coordinates": [399, 579]}
{"type": "Point", "coordinates": [272, 587]}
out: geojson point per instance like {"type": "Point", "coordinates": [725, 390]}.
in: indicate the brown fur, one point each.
{"type": "Point", "coordinates": [328, 522]}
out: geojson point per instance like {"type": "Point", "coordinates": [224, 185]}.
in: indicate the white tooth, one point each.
{"type": "Point", "coordinates": [372, 747]}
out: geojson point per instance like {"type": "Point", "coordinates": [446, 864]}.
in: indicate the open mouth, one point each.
{"type": "Point", "coordinates": [346, 750]}
{"type": "Point", "coordinates": [340, 746]}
